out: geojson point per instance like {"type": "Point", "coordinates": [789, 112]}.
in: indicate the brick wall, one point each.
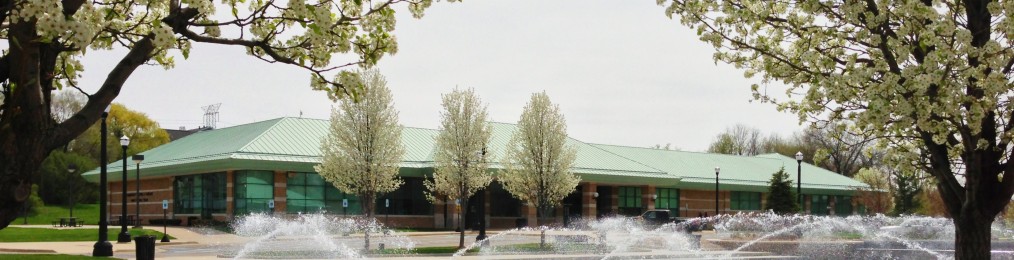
{"type": "Point", "coordinates": [153, 191]}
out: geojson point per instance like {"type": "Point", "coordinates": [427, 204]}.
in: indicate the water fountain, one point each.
{"type": "Point", "coordinates": [322, 235]}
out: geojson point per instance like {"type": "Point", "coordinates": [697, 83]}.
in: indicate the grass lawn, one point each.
{"type": "Point", "coordinates": [89, 213]}
{"type": "Point", "coordinates": [14, 234]}
{"type": "Point", "coordinates": [48, 257]}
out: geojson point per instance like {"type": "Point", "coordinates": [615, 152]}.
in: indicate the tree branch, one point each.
{"type": "Point", "coordinates": [97, 103]}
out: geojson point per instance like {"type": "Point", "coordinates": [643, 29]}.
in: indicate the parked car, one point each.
{"type": "Point", "coordinates": [656, 217]}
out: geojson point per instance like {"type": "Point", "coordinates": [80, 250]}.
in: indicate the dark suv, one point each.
{"type": "Point", "coordinates": [656, 217]}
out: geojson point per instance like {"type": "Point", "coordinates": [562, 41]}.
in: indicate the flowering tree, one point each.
{"type": "Point", "coordinates": [46, 39]}
{"type": "Point", "coordinates": [930, 75]}
{"type": "Point", "coordinates": [538, 160]}
{"type": "Point", "coordinates": [877, 195]}
{"type": "Point", "coordinates": [460, 154]}
{"type": "Point", "coordinates": [362, 152]}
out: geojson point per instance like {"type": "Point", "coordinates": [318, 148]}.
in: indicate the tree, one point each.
{"type": "Point", "coordinates": [363, 150]}
{"type": "Point", "coordinates": [58, 186]}
{"type": "Point", "coordinates": [842, 151]}
{"type": "Point", "coordinates": [932, 75]}
{"type": "Point", "coordinates": [780, 197]}
{"type": "Point", "coordinates": [538, 160]}
{"type": "Point", "coordinates": [143, 132]}
{"type": "Point", "coordinates": [47, 39]}
{"type": "Point", "coordinates": [907, 188]}
{"type": "Point", "coordinates": [877, 196]}
{"type": "Point", "coordinates": [460, 155]}
{"type": "Point", "coordinates": [738, 140]}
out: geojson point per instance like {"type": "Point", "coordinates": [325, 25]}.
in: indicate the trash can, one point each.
{"type": "Point", "coordinates": [144, 247]}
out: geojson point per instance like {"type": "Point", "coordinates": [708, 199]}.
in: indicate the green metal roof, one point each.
{"type": "Point", "coordinates": [293, 144]}
{"type": "Point", "coordinates": [748, 173]}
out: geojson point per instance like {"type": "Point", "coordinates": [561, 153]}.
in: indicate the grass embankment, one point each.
{"type": "Point", "coordinates": [15, 234]}
{"type": "Point", "coordinates": [48, 257]}
{"type": "Point", "coordinates": [89, 213]}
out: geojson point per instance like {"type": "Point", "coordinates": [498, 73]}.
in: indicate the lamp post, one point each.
{"type": "Point", "coordinates": [124, 236]}
{"type": "Point", "coordinates": [482, 204]}
{"type": "Point", "coordinates": [137, 186]}
{"type": "Point", "coordinates": [799, 180]}
{"type": "Point", "coordinates": [717, 169]}
{"type": "Point", "coordinates": [71, 168]}
{"type": "Point", "coordinates": [103, 247]}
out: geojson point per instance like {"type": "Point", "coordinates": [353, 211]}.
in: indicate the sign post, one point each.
{"type": "Point", "coordinates": [345, 206]}
{"type": "Point", "coordinates": [165, 221]}
{"type": "Point", "coordinates": [387, 211]}
{"type": "Point", "coordinates": [271, 207]}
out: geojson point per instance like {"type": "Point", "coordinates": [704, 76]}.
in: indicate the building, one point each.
{"type": "Point", "coordinates": [228, 172]}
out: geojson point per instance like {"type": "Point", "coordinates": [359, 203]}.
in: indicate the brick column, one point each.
{"type": "Point", "coordinates": [438, 213]}
{"type": "Point", "coordinates": [531, 214]}
{"type": "Point", "coordinates": [646, 192]}
{"type": "Point", "coordinates": [281, 183]}
{"type": "Point", "coordinates": [614, 200]}
{"type": "Point", "coordinates": [588, 205]}
{"type": "Point", "coordinates": [230, 193]}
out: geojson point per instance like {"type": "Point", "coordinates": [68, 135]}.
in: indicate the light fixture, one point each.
{"type": "Point", "coordinates": [799, 156]}
{"type": "Point", "coordinates": [596, 194]}
{"type": "Point", "coordinates": [124, 141]}
{"type": "Point", "coordinates": [654, 196]}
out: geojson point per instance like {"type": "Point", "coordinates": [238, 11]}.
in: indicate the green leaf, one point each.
{"type": "Point", "coordinates": [315, 28]}
{"type": "Point", "coordinates": [235, 12]}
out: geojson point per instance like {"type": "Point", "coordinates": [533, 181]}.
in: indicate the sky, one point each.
{"type": "Point", "coordinates": [621, 71]}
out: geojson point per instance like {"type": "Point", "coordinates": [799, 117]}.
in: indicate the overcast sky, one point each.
{"type": "Point", "coordinates": [622, 72]}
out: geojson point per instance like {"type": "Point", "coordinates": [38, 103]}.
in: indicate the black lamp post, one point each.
{"type": "Point", "coordinates": [71, 168]}
{"type": "Point", "coordinates": [482, 205]}
{"type": "Point", "coordinates": [717, 169]}
{"type": "Point", "coordinates": [137, 186]}
{"type": "Point", "coordinates": [103, 247]}
{"type": "Point", "coordinates": [799, 180]}
{"type": "Point", "coordinates": [124, 236]}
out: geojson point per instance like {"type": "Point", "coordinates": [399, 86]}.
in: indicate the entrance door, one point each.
{"type": "Point", "coordinates": [472, 213]}
{"type": "Point", "coordinates": [604, 203]}
{"type": "Point", "coordinates": [572, 206]}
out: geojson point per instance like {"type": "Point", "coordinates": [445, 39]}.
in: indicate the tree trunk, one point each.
{"type": "Point", "coordinates": [461, 223]}
{"type": "Point", "coordinates": [972, 237]}
{"type": "Point", "coordinates": [542, 213]}
{"type": "Point", "coordinates": [368, 202]}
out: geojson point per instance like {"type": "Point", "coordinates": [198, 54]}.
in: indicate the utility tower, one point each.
{"type": "Point", "coordinates": [211, 115]}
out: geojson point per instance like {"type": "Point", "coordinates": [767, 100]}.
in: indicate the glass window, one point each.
{"type": "Point", "coordinates": [408, 199]}
{"type": "Point", "coordinates": [742, 200]}
{"type": "Point", "coordinates": [253, 190]}
{"type": "Point", "coordinates": [308, 192]}
{"type": "Point", "coordinates": [502, 203]}
{"type": "Point", "coordinates": [843, 205]}
{"type": "Point", "coordinates": [668, 199]}
{"type": "Point", "coordinates": [630, 201]}
{"type": "Point", "coordinates": [819, 204]}
{"type": "Point", "coordinates": [199, 194]}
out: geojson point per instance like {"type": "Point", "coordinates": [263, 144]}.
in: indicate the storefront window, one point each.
{"type": "Point", "coordinates": [743, 200]}
{"type": "Point", "coordinates": [668, 199]}
{"type": "Point", "coordinates": [630, 201]}
{"type": "Point", "coordinates": [408, 199]}
{"type": "Point", "coordinates": [199, 194]}
{"type": "Point", "coordinates": [308, 192]}
{"type": "Point", "coordinates": [253, 190]}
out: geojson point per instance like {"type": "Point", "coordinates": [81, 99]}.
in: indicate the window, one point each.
{"type": "Point", "coordinates": [408, 199]}
{"type": "Point", "coordinates": [843, 205]}
{"type": "Point", "coordinates": [308, 192]}
{"type": "Point", "coordinates": [742, 200]}
{"type": "Point", "coordinates": [252, 191]}
{"type": "Point", "coordinates": [199, 194]}
{"type": "Point", "coordinates": [630, 201]}
{"type": "Point", "coordinates": [818, 204]}
{"type": "Point", "coordinates": [502, 203]}
{"type": "Point", "coordinates": [668, 199]}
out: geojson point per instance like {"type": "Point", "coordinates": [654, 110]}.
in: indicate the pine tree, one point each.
{"type": "Point", "coordinates": [780, 197]}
